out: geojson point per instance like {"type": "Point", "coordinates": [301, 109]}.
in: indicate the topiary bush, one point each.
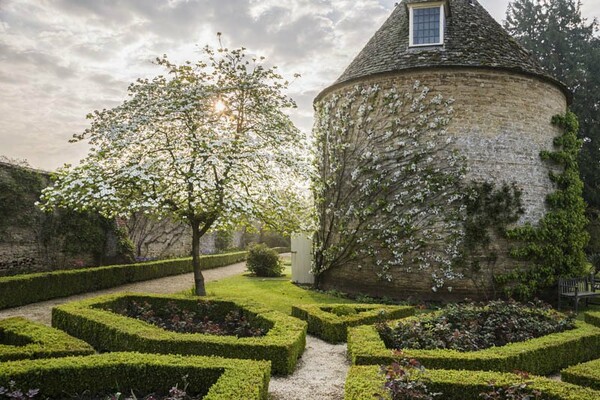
{"type": "Point", "coordinates": [263, 261]}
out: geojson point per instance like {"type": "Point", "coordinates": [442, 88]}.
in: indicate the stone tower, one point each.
{"type": "Point", "coordinates": [442, 85]}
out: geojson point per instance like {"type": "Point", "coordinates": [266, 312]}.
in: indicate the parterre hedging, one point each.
{"type": "Point", "coordinates": [541, 356]}
{"type": "Point", "coordinates": [23, 339]}
{"type": "Point", "coordinates": [586, 374]}
{"type": "Point", "coordinates": [218, 378]}
{"type": "Point", "coordinates": [331, 322]}
{"type": "Point", "coordinates": [107, 331]}
{"type": "Point", "coordinates": [593, 318]}
{"type": "Point", "coordinates": [363, 382]}
{"type": "Point", "coordinates": [24, 289]}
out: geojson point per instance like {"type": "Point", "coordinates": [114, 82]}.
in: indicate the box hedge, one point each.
{"type": "Point", "coordinates": [365, 382]}
{"type": "Point", "coordinates": [23, 339]}
{"type": "Point", "coordinates": [365, 347]}
{"type": "Point", "coordinates": [217, 378]}
{"type": "Point", "coordinates": [24, 289]}
{"type": "Point", "coordinates": [593, 318]}
{"type": "Point", "coordinates": [108, 331]}
{"type": "Point", "coordinates": [331, 322]}
{"type": "Point", "coordinates": [586, 374]}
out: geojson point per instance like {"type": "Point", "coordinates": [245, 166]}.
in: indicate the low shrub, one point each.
{"type": "Point", "coordinates": [367, 383]}
{"type": "Point", "coordinates": [211, 377]}
{"type": "Point", "coordinates": [263, 261]}
{"type": "Point", "coordinates": [473, 327]}
{"type": "Point", "coordinates": [24, 289]}
{"type": "Point", "coordinates": [92, 321]}
{"type": "Point", "coordinates": [593, 318]}
{"type": "Point", "coordinates": [586, 374]}
{"type": "Point", "coordinates": [330, 322]}
{"type": "Point", "coordinates": [366, 347]}
{"type": "Point", "coordinates": [404, 381]}
{"type": "Point", "coordinates": [23, 339]}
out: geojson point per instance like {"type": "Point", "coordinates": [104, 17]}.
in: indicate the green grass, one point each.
{"type": "Point", "coordinates": [275, 293]}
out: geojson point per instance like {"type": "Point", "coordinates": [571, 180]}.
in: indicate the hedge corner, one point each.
{"type": "Point", "coordinates": [593, 318]}
{"type": "Point", "coordinates": [366, 347]}
{"type": "Point", "coordinates": [586, 374]}
{"type": "Point", "coordinates": [331, 322]}
{"type": "Point", "coordinates": [22, 339]}
{"type": "Point", "coordinates": [91, 321]}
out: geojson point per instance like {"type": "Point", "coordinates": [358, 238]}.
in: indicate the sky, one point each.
{"type": "Point", "coordinates": [62, 59]}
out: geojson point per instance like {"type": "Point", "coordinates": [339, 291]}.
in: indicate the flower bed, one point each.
{"type": "Point", "coordinates": [92, 321]}
{"type": "Point", "coordinates": [593, 317]}
{"type": "Point", "coordinates": [23, 339]}
{"type": "Point", "coordinates": [364, 382]}
{"type": "Point", "coordinates": [366, 347]}
{"type": "Point", "coordinates": [586, 374]}
{"type": "Point", "coordinates": [330, 322]}
{"type": "Point", "coordinates": [211, 377]}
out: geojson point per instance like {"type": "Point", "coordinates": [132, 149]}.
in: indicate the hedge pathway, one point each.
{"type": "Point", "coordinates": [320, 373]}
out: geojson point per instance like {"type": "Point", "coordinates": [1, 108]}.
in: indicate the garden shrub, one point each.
{"type": "Point", "coordinates": [404, 381]}
{"type": "Point", "coordinates": [472, 327]}
{"type": "Point", "coordinates": [263, 261]}
{"type": "Point", "coordinates": [593, 317]}
{"type": "Point", "coordinates": [586, 374]}
{"type": "Point", "coordinates": [216, 378]}
{"type": "Point", "coordinates": [92, 321]}
{"type": "Point", "coordinates": [23, 339]}
{"type": "Point", "coordinates": [331, 322]}
{"type": "Point", "coordinates": [24, 289]}
{"type": "Point", "coordinates": [366, 347]}
{"type": "Point", "coordinates": [367, 382]}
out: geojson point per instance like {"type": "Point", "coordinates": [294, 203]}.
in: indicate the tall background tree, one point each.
{"type": "Point", "coordinates": [207, 144]}
{"type": "Point", "coordinates": [568, 47]}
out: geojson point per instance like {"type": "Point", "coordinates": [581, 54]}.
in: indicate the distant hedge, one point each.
{"type": "Point", "coordinates": [541, 356]}
{"type": "Point", "coordinates": [22, 339]}
{"type": "Point", "coordinates": [365, 382]}
{"type": "Point", "coordinates": [330, 322]}
{"type": "Point", "coordinates": [91, 321]}
{"type": "Point", "coordinates": [593, 317]}
{"type": "Point", "coordinates": [216, 378]}
{"type": "Point", "coordinates": [24, 289]}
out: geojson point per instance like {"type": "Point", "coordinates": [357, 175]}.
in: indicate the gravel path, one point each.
{"type": "Point", "coordinates": [320, 374]}
{"type": "Point", "coordinates": [41, 312]}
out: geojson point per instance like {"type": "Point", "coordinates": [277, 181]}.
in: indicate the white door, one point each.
{"type": "Point", "coordinates": [302, 258]}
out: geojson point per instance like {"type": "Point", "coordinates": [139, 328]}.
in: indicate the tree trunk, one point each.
{"type": "Point", "coordinates": [200, 289]}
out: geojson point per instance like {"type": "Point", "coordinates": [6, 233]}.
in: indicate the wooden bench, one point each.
{"type": "Point", "coordinates": [577, 289]}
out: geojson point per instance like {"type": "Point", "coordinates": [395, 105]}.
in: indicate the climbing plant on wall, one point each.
{"type": "Point", "coordinates": [388, 193]}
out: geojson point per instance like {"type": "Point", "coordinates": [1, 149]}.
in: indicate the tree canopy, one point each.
{"type": "Point", "coordinates": [206, 143]}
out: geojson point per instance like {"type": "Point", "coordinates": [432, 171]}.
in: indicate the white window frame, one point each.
{"type": "Point", "coordinates": [412, 7]}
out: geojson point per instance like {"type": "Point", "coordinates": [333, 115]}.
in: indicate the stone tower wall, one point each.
{"type": "Point", "coordinates": [501, 122]}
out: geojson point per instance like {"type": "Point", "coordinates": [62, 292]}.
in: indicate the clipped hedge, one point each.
{"type": "Point", "coordinates": [23, 339]}
{"type": "Point", "coordinates": [586, 374]}
{"type": "Point", "coordinates": [324, 321]}
{"type": "Point", "coordinates": [541, 356]}
{"type": "Point", "coordinates": [364, 382]}
{"type": "Point", "coordinates": [218, 378]}
{"type": "Point", "coordinates": [593, 318]}
{"type": "Point", "coordinates": [24, 289]}
{"type": "Point", "coordinates": [108, 331]}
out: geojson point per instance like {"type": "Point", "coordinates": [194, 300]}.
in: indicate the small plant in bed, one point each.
{"type": "Point", "coordinates": [404, 380]}
{"type": "Point", "coordinates": [473, 326]}
{"type": "Point", "coordinates": [172, 317]}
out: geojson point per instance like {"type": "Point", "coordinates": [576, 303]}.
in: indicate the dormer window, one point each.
{"type": "Point", "coordinates": [427, 21]}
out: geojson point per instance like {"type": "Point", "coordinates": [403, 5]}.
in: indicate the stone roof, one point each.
{"type": "Point", "coordinates": [472, 39]}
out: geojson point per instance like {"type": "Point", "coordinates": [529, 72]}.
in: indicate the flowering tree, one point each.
{"type": "Point", "coordinates": [389, 191]}
{"type": "Point", "coordinates": [206, 144]}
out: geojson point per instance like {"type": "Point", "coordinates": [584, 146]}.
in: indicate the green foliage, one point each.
{"type": "Point", "coordinates": [24, 289]}
{"type": "Point", "coordinates": [263, 261]}
{"type": "Point", "coordinates": [23, 339]}
{"type": "Point", "coordinates": [555, 247]}
{"type": "Point", "coordinates": [472, 327]}
{"type": "Point", "coordinates": [223, 239]}
{"type": "Point", "coordinates": [404, 380]}
{"type": "Point", "coordinates": [107, 331]}
{"type": "Point", "coordinates": [586, 374]}
{"type": "Point", "coordinates": [366, 347]}
{"type": "Point", "coordinates": [593, 318]}
{"type": "Point", "coordinates": [19, 189]}
{"type": "Point", "coordinates": [330, 322]}
{"type": "Point", "coordinates": [218, 378]}
{"type": "Point", "coordinates": [365, 381]}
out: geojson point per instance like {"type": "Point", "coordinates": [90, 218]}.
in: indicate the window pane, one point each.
{"type": "Point", "coordinates": [426, 25]}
